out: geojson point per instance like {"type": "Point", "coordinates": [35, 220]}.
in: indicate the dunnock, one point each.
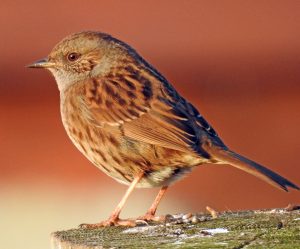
{"type": "Point", "coordinates": [129, 121]}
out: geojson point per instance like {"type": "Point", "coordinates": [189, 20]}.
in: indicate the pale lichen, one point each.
{"type": "Point", "coordinates": [255, 229]}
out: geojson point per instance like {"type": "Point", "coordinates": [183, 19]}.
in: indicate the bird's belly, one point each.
{"type": "Point", "coordinates": [123, 158]}
{"type": "Point", "coordinates": [163, 177]}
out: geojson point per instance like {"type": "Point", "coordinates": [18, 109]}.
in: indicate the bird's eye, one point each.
{"type": "Point", "coordinates": [73, 56]}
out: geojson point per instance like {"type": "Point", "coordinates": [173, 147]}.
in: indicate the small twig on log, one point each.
{"type": "Point", "coordinates": [214, 214]}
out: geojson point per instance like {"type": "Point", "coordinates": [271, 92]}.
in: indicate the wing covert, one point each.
{"type": "Point", "coordinates": [148, 110]}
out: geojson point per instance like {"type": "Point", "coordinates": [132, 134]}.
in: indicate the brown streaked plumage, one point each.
{"type": "Point", "coordinates": [129, 121]}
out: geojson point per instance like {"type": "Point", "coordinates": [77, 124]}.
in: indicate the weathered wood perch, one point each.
{"type": "Point", "coordinates": [277, 228]}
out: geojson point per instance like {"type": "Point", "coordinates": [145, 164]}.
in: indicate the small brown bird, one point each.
{"type": "Point", "coordinates": [129, 121]}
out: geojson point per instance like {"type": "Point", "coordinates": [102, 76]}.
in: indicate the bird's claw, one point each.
{"type": "Point", "coordinates": [109, 223]}
{"type": "Point", "coordinates": [151, 217]}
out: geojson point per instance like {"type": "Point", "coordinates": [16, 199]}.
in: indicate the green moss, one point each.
{"type": "Point", "coordinates": [259, 229]}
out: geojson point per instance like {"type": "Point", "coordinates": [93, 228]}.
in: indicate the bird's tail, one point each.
{"type": "Point", "coordinates": [229, 157]}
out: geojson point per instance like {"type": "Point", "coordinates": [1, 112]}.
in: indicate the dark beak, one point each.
{"type": "Point", "coordinates": [43, 63]}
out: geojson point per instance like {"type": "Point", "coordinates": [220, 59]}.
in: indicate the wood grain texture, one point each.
{"type": "Point", "coordinates": [276, 228]}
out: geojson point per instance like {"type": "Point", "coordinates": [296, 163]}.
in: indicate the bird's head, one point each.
{"type": "Point", "coordinates": [82, 55]}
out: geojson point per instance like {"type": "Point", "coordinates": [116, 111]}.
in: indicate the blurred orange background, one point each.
{"type": "Point", "coordinates": [237, 61]}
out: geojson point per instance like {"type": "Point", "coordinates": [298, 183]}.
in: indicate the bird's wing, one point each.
{"type": "Point", "coordinates": [148, 110]}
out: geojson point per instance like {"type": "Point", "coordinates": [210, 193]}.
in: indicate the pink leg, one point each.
{"type": "Point", "coordinates": [114, 219]}
{"type": "Point", "coordinates": [149, 216]}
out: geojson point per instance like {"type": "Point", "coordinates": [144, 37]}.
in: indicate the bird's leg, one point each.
{"type": "Point", "coordinates": [150, 214]}
{"type": "Point", "coordinates": [114, 219]}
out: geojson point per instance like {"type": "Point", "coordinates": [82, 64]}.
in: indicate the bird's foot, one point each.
{"type": "Point", "coordinates": [152, 217]}
{"type": "Point", "coordinates": [110, 222]}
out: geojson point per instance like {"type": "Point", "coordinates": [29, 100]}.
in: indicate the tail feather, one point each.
{"type": "Point", "coordinates": [251, 167]}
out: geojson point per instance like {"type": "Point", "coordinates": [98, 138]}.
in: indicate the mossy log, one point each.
{"type": "Point", "coordinates": [277, 228]}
